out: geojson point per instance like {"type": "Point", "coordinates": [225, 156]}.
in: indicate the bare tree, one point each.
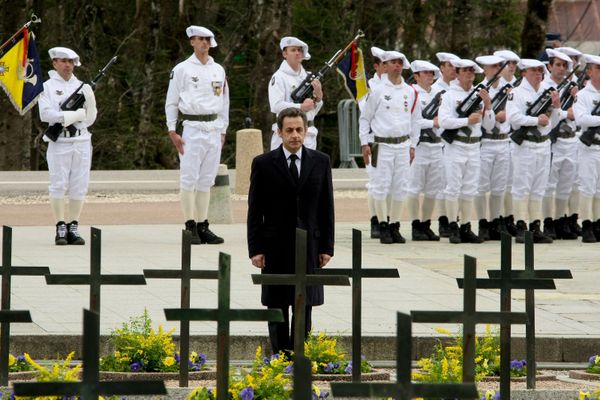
{"type": "Point", "coordinates": [533, 36]}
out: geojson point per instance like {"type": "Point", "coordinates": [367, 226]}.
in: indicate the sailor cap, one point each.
{"type": "Point", "coordinates": [377, 52]}
{"type": "Point", "coordinates": [464, 63]}
{"type": "Point", "coordinates": [422, 65]}
{"type": "Point", "coordinates": [591, 59]}
{"type": "Point", "coordinates": [64, 52]}
{"type": "Point", "coordinates": [507, 55]}
{"type": "Point", "coordinates": [445, 57]}
{"type": "Point", "coordinates": [490, 60]}
{"type": "Point", "coordinates": [557, 54]}
{"type": "Point", "coordinates": [294, 41]}
{"type": "Point", "coordinates": [525, 63]}
{"type": "Point", "coordinates": [194, 30]}
{"type": "Point", "coordinates": [394, 55]}
{"type": "Point", "coordinates": [570, 51]}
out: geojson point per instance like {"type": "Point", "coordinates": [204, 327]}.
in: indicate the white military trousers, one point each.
{"type": "Point", "coordinates": [199, 162]}
{"type": "Point", "coordinates": [69, 163]}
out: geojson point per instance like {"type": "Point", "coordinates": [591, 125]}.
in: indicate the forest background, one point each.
{"type": "Point", "coordinates": [149, 38]}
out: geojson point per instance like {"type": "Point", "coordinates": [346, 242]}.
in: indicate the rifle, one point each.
{"type": "Point", "coordinates": [499, 100]}
{"type": "Point", "coordinates": [471, 104]}
{"type": "Point", "coordinates": [566, 101]}
{"type": "Point", "coordinates": [431, 110]}
{"type": "Point", "coordinates": [74, 102]}
{"type": "Point", "coordinates": [587, 137]}
{"type": "Point", "coordinates": [305, 89]}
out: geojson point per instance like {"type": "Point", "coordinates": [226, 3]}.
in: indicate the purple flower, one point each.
{"type": "Point", "coordinates": [516, 365]}
{"type": "Point", "coordinates": [135, 367]}
{"type": "Point", "coordinates": [196, 367]}
{"type": "Point", "coordinates": [177, 358]}
{"type": "Point", "coordinates": [21, 358]}
{"type": "Point", "coordinates": [328, 368]}
{"type": "Point", "coordinates": [247, 393]}
{"type": "Point", "coordinates": [592, 360]}
{"type": "Point", "coordinates": [497, 396]}
{"type": "Point", "coordinates": [348, 369]}
{"type": "Point", "coordinates": [202, 359]}
{"type": "Point", "coordinates": [289, 369]}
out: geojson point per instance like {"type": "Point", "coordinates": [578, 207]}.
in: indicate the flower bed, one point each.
{"type": "Point", "coordinates": [592, 372]}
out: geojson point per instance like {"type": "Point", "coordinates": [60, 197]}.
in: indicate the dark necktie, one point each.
{"type": "Point", "coordinates": [294, 168]}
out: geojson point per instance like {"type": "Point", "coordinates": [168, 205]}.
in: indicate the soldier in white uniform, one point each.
{"type": "Point", "coordinates": [388, 118]}
{"type": "Point", "coordinates": [495, 159]}
{"type": "Point", "coordinates": [563, 167]}
{"type": "Point", "coordinates": [426, 172]}
{"type": "Point", "coordinates": [587, 100]}
{"type": "Point", "coordinates": [70, 157]}
{"type": "Point", "coordinates": [507, 222]}
{"type": "Point", "coordinates": [198, 91]}
{"type": "Point", "coordinates": [448, 74]}
{"type": "Point", "coordinates": [285, 80]}
{"type": "Point", "coordinates": [531, 159]}
{"type": "Point", "coordinates": [462, 156]}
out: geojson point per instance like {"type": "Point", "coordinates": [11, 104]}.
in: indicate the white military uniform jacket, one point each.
{"type": "Point", "coordinates": [56, 91]}
{"type": "Point", "coordinates": [448, 117]}
{"type": "Point", "coordinates": [424, 99]}
{"type": "Point", "coordinates": [390, 111]}
{"type": "Point", "coordinates": [549, 82]}
{"type": "Point", "coordinates": [587, 99]}
{"type": "Point", "coordinates": [198, 89]}
{"type": "Point", "coordinates": [516, 108]}
{"type": "Point", "coordinates": [283, 82]}
{"type": "Point", "coordinates": [503, 127]}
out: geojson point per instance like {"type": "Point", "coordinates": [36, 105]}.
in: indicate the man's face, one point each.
{"type": "Point", "coordinates": [448, 71]}
{"type": "Point", "coordinates": [558, 69]}
{"type": "Point", "coordinates": [593, 71]}
{"type": "Point", "coordinates": [394, 67]}
{"type": "Point", "coordinates": [466, 75]}
{"type": "Point", "coordinates": [293, 54]}
{"type": "Point", "coordinates": [491, 70]}
{"type": "Point", "coordinates": [64, 67]}
{"type": "Point", "coordinates": [424, 78]}
{"type": "Point", "coordinates": [533, 75]}
{"type": "Point", "coordinates": [511, 67]}
{"type": "Point", "coordinates": [200, 44]}
{"type": "Point", "coordinates": [292, 133]}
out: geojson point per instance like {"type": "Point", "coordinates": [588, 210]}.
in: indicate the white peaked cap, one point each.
{"type": "Point", "coordinates": [525, 63]}
{"type": "Point", "coordinates": [394, 55]}
{"type": "Point", "coordinates": [64, 52]}
{"type": "Point", "coordinates": [443, 57]}
{"type": "Point", "coordinates": [422, 65]}
{"type": "Point", "coordinates": [562, 56]}
{"type": "Point", "coordinates": [507, 55]}
{"type": "Point", "coordinates": [570, 51]}
{"type": "Point", "coordinates": [591, 59]}
{"type": "Point", "coordinates": [294, 41]}
{"type": "Point", "coordinates": [464, 63]}
{"type": "Point", "coordinates": [194, 30]}
{"type": "Point", "coordinates": [377, 52]}
{"type": "Point", "coordinates": [490, 60]}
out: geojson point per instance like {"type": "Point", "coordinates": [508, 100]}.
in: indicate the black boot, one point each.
{"type": "Point", "coordinates": [374, 227]}
{"type": "Point", "coordinates": [521, 229]}
{"type": "Point", "coordinates": [206, 235]}
{"type": "Point", "coordinates": [190, 225]}
{"type": "Point", "coordinates": [417, 231]}
{"type": "Point", "coordinates": [484, 229]}
{"type": "Point", "coordinates": [509, 224]}
{"type": "Point", "coordinates": [61, 234]}
{"type": "Point", "coordinates": [495, 229]}
{"type": "Point", "coordinates": [467, 235]}
{"type": "Point", "coordinates": [385, 235]}
{"type": "Point", "coordinates": [562, 227]}
{"type": "Point", "coordinates": [73, 234]}
{"type": "Point", "coordinates": [454, 233]}
{"type": "Point", "coordinates": [587, 232]}
{"type": "Point", "coordinates": [596, 229]}
{"type": "Point", "coordinates": [444, 226]}
{"type": "Point", "coordinates": [573, 225]}
{"type": "Point", "coordinates": [395, 232]}
{"type": "Point", "coordinates": [538, 236]}
{"type": "Point", "coordinates": [426, 227]}
{"type": "Point", "coordinates": [549, 228]}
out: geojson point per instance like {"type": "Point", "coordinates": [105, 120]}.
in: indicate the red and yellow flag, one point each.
{"type": "Point", "coordinates": [352, 69]}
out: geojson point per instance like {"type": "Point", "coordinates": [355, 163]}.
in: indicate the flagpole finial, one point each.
{"type": "Point", "coordinates": [33, 20]}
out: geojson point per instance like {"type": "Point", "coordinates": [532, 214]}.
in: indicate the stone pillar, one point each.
{"type": "Point", "coordinates": [248, 145]}
{"type": "Point", "coordinates": [219, 211]}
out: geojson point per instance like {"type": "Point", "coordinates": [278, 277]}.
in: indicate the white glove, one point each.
{"type": "Point", "coordinates": [88, 93]}
{"type": "Point", "coordinates": [70, 117]}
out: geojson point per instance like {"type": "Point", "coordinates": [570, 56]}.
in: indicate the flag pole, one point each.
{"type": "Point", "coordinates": [33, 20]}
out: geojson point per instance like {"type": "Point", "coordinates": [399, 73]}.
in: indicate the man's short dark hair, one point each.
{"type": "Point", "coordinates": [291, 112]}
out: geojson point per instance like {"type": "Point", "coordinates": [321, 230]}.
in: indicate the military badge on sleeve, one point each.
{"type": "Point", "coordinates": [217, 88]}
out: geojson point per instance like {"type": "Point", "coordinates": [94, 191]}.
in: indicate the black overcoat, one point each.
{"type": "Point", "coordinates": [276, 206]}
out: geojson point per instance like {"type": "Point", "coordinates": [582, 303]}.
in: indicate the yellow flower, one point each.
{"type": "Point", "coordinates": [444, 331]}
{"type": "Point", "coordinates": [168, 361]}
{"type": "Point", "coordinates": [584, 395]}
{"type": "Point", "coordinates": [11, 360]}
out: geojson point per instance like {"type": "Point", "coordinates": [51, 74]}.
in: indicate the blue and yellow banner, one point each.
{"type": "Point", "coordinates": [20, 70]}
{"type": "Point", "coordinates": [352, 69]}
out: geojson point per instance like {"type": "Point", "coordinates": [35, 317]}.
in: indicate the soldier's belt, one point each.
{"type": "Point", "coordinates": [536, 139]}
{"type": "Point", "coordinates": [199, 117]}
{"type": "Point", "coordinates": [429, 139]}
{"type": "Point", "coordinates": [468, 139]}
{"type": "Point", "coordinates": [565, 135]}
{"type": "Point", "coordinates": [391, 140]}
{"type": "Point", "coordinates": [494, 136]}
{"type": "Point", "coordinates": [595, 141]}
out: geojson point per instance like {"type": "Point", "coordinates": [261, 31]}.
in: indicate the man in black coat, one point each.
{"type": "Point", "coordinates": [290, 187]}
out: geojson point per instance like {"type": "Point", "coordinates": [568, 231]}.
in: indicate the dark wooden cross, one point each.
{"type": "Point", "coordinates": [357, 273]}
{"type": "Point", "coordinates": [223, 315]}
{"type": "Point", "coordinates": [300, 280]}
{"type": "Point", "coordinates": [531, 273]}
{"type": "Point", "coordinates": [94, 279]}
{"type": "Point", "coordinates": [7, 316]}
{"type": "Point", "coordinates": [90, 387]}
{"type": "Point", "coordinates": [506, 282]}
{"type": "Point", "coordinates": [302, 378]}
{"type": "Point", "coordinates": [185, 274]}
{"type": "Point", "coordinates": [469, 318]}
{"type": "Point", "coordinates": [404, 388]}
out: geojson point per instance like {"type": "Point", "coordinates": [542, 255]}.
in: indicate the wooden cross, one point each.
{"type": "Point", "coordinates": [302, 378]}
{"type": "Point", "coordinates": [357, 273]}
{"type": "Point", "coordinates": [404, 388]}
{"type": "Point", "coordinates": [6, 315]}
{"type": "Point", "coordinates": [506, 283]}
{"type": "Point", "coordinates": [185, 274]}
{"type": "Point", "coordinates": [300, 280]}
{"type": "Point", "coordinates": [223, 315]}
{"type": "Point", "coordinates": [469, 318]}
{"type": "Point", "coordinates": [90, 387]}
{"type": "Point", "coordinates": [530, 273]}
{"type": "Point", "coordinates": [95, 280]}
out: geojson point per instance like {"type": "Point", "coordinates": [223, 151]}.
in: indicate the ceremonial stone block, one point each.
{"type": "Point", "coordinates": [219, 210]}
{"type": "Point", "coordinates": [248, 144]}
